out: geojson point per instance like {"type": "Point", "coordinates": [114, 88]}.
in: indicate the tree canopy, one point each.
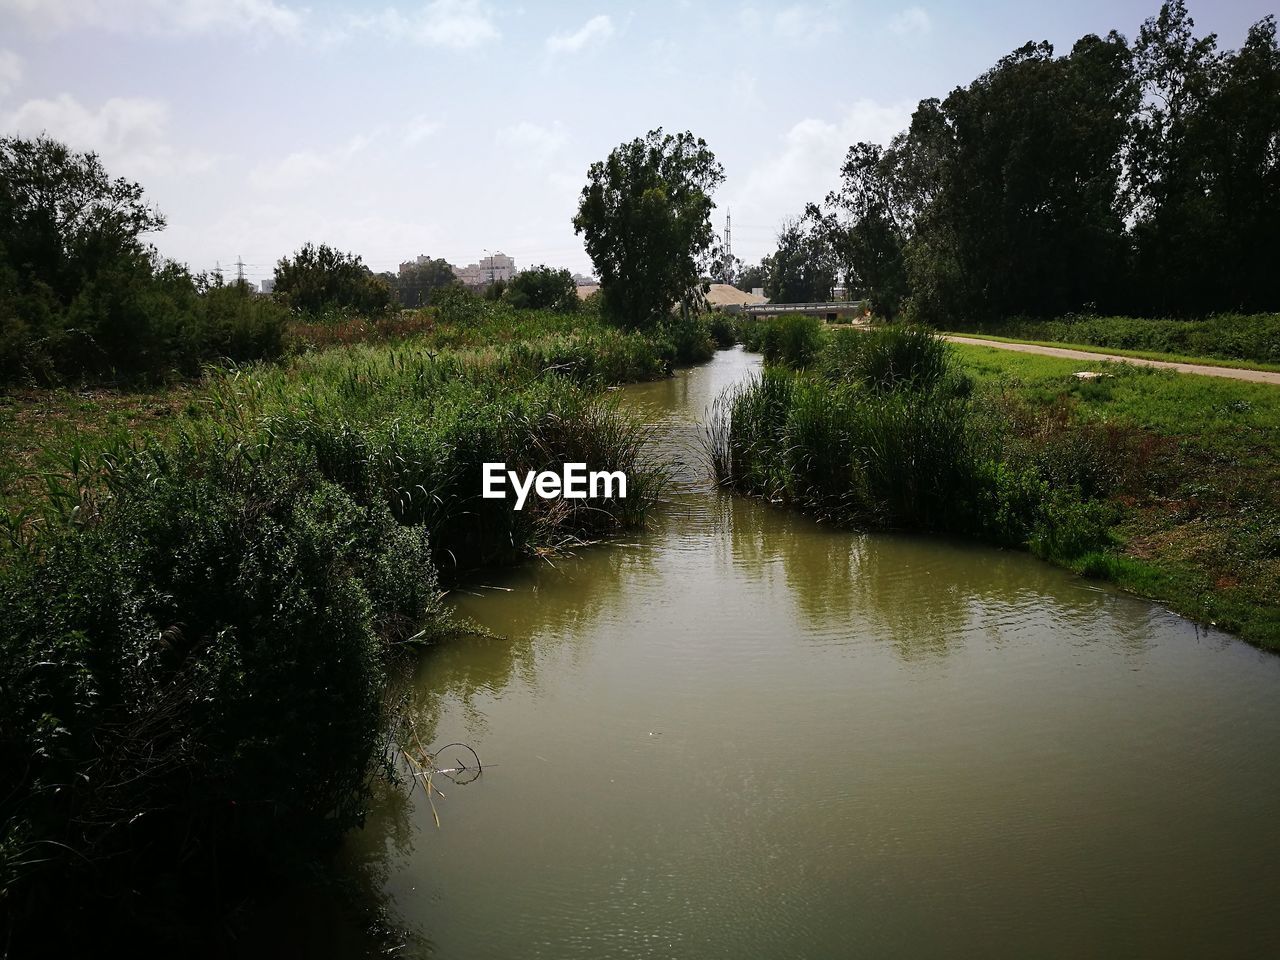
{"type": "Point", "coordinates": [645, 215]}
{"type": "Point", "coordinates": [320, 278]}
{"type": "Point", "coordinates": [413, 285]}
{"type": "Point", "coordinates": [543, 288]}
{"type": "Point", "coordinates": [1137, 177]}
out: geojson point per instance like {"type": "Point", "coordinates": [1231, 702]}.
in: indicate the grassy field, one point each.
{"type": "Point", "coordinates": [1122, 352]}
{"type": "Point", "coordinates": [1201, 529]}
{"type": "Point", "coordinates": [1231, 339]}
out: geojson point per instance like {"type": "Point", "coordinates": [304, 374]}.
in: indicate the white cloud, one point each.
{"type": "Point", "coordinates": [128, 133]}
{"type": "Point", "coordinates": [597, 29]}
{"type": "Point", "coordinates": [10, 71]}
{"type": "Point", "coordinates": [159, 16]}
{"type": "Point", "coordinates": [808, 163]}
{"type": "Point", "coordinates": [911, 21]}
{"type": "Point", "coordinates": [303, 168]}
{"type": "Point", "coordinates": [460, 24]}
{"type": "Point", "coordinates": [528, 140]}
{"type": "Point", "coordinates": [795, 23]}
{"type": "Point", "coordinates": [418, 129]}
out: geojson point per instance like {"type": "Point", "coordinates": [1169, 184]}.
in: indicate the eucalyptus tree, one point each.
{"type": "Point", "coordinates": [645, 216]}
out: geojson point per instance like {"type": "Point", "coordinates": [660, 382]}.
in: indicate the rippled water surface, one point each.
{"type": "Point", "coordinates": [749, 735]}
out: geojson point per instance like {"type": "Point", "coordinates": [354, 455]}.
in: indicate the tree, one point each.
{"type": "Point", "coordinates": [63, 220]}
{"type": "Point", "coordinates": [757, 275]}
{"type": "Point", "coordinates": [321, 278]}
{"type": "Point", "coordinates": [645, 215]}
{"type": "Point", "coordinates": [1204, 168]}
{"type": "Point", "coordinates": [1025, 212]}
{"type": "Point", "coordinates": [543, 288]}
{"type": "Point", "coordinates": [414, 284]}
{"type": "Point", "coordinates": [803, 268]}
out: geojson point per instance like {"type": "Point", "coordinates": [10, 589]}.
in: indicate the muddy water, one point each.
{"type": "Point", "coordinates": [748, 735]}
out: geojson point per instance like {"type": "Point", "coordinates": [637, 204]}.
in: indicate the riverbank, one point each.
{"type": "Point", "coordinates": [202, 614]}
{"type": "Point", "coordinates": [1164, 484]}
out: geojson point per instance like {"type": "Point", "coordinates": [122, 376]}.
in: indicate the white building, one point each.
{"type": "Point", "coordinates": [490, 269]}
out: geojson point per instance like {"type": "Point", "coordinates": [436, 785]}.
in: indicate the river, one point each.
{"type": "Point", "coordinates": [748, 735]}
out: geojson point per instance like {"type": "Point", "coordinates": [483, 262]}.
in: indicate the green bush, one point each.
{"type": "Point", "coordinates": [543, 288]}
{"type": "Point", "coordinates": [722, 329]}
{"type": "Point", "coordinates": [200, 669]}
{"type": "Point", "coordinates": [888, 358]}
{"type": "Point", "coordinates": [882, 432]}
{"type": "Point", "coordinates": [688, 338]}
{"type": "Point", "coordinates": [792, 340]}
{"type": "Point", "coordinates": [320, 280]}
{"type": "Point", "coordinates": [873, 459]}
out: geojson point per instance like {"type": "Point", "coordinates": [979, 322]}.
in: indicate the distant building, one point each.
{"type": "Point", "coordinates": [490, 269]}
{"type": "Point", "coordinates": [268, 285]}
{"type": "Point", "coordinates": [582, 280]}
{"type": "Point", "coordinates": [418, 261]}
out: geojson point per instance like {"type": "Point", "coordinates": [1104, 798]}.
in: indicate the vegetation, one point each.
{"type": "Point", "coordinates": [1165, 484]}
{"type": "Point", "coordinates": [81, 297]}
{"type": "Point", "coordinates": [1251, 338]}
{"type": "Point", "coordinates": [543, 288]}
{"type": "Point", "coordinates": [316, 280]}
{"type": "Point", "coordinates": [414, 285]}
{"type": "Point", "coordinates": [645, 216]}
{"type": "Point", "coordinates": [1135, 178]}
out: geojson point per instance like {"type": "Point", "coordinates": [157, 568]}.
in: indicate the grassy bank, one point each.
{"type": "Point", "coordinates": [201, 617]}
{"type": "Point", "coordinates": [1165, 484]}
{"type": "Point", "coordinates": [1230, 338]}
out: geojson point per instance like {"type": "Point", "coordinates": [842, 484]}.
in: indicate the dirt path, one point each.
{"type": "Point", "coordinates": [1232, 373]}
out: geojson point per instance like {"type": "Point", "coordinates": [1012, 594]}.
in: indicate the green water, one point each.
{"type": "Point", "coordinates": [747, 735]}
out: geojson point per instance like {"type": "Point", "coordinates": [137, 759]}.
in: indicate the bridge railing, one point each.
{"type": "Point", "coordinates": [833, 306]}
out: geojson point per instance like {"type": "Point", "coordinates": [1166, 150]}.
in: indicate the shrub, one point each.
{"type": "Point", "coordinates": [888, 357]}
{"type": "Point", "coordinates": [320, 280]}
{"type": "Point", "coordinates": [200, 669]}
{"type": "Point", "coordinates": [722, 329]}
{"type": "Point", "coordinates": [792, 340]}
{"type": "Point", "coordinates": [543, 288]}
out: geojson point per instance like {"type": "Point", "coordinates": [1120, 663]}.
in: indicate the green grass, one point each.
{"type": "Point", "coordinates": [1200, 528]}
{"type": "Point", "coordinates": [1231, 337]}
{"type": "Point", "coordinates": [1123, 352]}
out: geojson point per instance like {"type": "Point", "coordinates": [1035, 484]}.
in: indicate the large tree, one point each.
{"type": "Point", "coordinates": [645, 215]}
{"type": "Point", "coordinates": [543, 288]}
{"type": "Point", "coordinates": [1205, 168]}
{"type": "Point", "coordinates": [1027, 216]}
{"type": "Point", "coordinates": [316, 279]}
{"type": "Point", "coordinates": [413, 285]}
{"type": "Point", "coordinates": [64, 220]}
{"type": "Point", "coordinates": [803, 268]}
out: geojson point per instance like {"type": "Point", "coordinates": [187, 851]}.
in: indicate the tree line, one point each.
{"type": "Point", "coordinates": [1139, 177]}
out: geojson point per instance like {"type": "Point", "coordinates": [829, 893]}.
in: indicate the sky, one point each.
{"type": "Point", "coordinates": [454, 128]}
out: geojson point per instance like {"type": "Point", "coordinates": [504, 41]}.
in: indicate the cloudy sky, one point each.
{"type": "Point", "coordinates": [452, 127]}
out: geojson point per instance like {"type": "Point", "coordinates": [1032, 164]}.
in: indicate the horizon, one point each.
{"type": "Point", "coordinates": [469, 127]}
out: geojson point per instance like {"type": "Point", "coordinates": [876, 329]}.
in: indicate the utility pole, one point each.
{"type": "Point", "coordinates": [727, 270]}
